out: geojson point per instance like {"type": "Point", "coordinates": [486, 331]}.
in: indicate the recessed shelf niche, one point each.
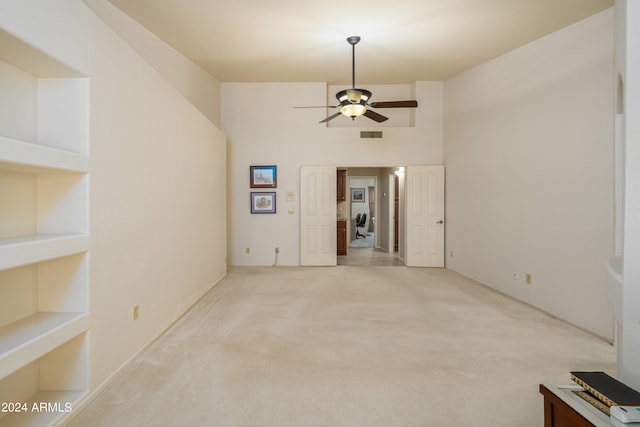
{"type": "Point", "coordinates": [44, 231]}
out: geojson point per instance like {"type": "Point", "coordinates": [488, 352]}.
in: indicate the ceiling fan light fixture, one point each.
{"type": "Point", "coordinates": [353, 110]}
{"type": "Point", "coordinates": [354, 96]}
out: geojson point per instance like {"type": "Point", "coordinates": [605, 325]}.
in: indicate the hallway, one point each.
{"type": "Point", "coordinates": [362, 252]}
{"type": "Point", "coordinates": [369, 257]}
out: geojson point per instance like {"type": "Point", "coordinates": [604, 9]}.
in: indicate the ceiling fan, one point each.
{"type": "Point", "coordinates": [354, 102]}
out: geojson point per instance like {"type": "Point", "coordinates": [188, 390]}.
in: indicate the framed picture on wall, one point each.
{"type": "Point", "coordinates": [262, 202]}
{"type": "Point", "coordinates": [357, 195]}
{"type": "Point", "coordinates": [263, 176]}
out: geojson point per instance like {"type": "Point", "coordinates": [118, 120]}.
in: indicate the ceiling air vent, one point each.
{"type": "Point", "coordinates": [371, 134]}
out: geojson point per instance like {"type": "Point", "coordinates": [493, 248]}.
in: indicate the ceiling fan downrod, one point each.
{"type": "Point", "coordinates": [353, 95]}
{"type": "Point", "coordinates": [353, 41]}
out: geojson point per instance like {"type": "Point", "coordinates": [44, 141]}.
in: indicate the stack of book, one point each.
{"type": "Point", "coordinates": [603, 391]}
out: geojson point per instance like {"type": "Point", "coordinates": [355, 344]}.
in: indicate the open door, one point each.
{"type": "Point", "coordinates": [318, 236]}
{"type": "Point", "coordinates": [425, 216]}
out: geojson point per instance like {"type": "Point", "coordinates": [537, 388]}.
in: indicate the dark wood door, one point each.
{"type": "Point", "coordinates": [341, 185]}
{"type": "Point", "coordinates": [341, 229]}
{"type": "Point", "coordinates": [396, 211]}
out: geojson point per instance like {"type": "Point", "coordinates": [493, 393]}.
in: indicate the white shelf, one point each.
{"type": "Point", "coordinates": [33, 158]}
{"type": "Point", "coordinates": [20, 251]}
{"type": "Point", "coordinates": [28, 339]}
{"type": "Point", "coordinates": [44, 192]}
{"type": "Point", "coordinates": [34, 418]}
{"type": "Point", "coordinates": [31, 59]}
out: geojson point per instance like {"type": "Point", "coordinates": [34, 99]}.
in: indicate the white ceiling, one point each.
{"type": "Point", "coordinates": [402, 40]}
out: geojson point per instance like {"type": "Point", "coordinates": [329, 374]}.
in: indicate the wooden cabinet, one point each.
{"type": "Point", "coordinates": [342, 237]}
{"type": "Point", "coordinates": [341, 182]}
{"type": "Point", "coordinates": [341, 196]}
{"type": "Point", "coordinates": [563, 408]}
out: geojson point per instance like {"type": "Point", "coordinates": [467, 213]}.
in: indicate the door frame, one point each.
{"type": "Point", "coordinates": [376, 212]}
{"type": "Point", "coordinates": [396, 213]}
{"type": "Point", "coordinates": [402, 218]}
{"type": "Point", "coordinates": [383, 180]}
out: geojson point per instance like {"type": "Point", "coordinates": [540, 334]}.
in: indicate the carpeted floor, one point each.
{"type": "Point", "coordinates": [349, 346]}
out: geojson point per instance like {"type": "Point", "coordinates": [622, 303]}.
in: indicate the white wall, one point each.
{"type": "Point", "coordinates": [263, 128]}
{"type": "Point", "coordinates": [628, 68]}
{"type": "Point", "coordinates": [529, 158]}
{"type": "Point", "coordinates": [199, 87]}
{"type": "Point", "coordinates": [157, 182]}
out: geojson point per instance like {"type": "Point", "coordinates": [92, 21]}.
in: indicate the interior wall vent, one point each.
{"type": "Point", "coordinates": [371, 134]}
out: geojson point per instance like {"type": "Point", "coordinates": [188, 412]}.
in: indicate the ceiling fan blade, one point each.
{"type": "Point", "coordinates": [331, 117]}
{"type": "Point", "coordinates": [395, 104]}
{"type": "Point", "coordinates": [375, 116]}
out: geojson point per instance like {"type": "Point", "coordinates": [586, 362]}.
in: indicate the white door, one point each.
{"type": "Point", "coordinates": [318, 215]}
{"type": "Point", "coordinates": [425, 216]}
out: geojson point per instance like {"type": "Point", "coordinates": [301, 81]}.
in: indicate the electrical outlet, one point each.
{"type": "Point", "coordinates": [528, 278]}
{"type": "Point", "coordinates": [277, 250]}
{"type": "Point", "coordinates": [451, 254]}
{"type": "Point", "coordinates": [247, 250]}
{"type": "Point", "coordinates": [136, 312]}
{"type": "Point", "coordinates": [516, 276]}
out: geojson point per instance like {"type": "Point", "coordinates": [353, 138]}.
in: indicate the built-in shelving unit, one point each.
{"type": "Point", "coordinates": [31, 158]}
{"type": "Point", "coordinates": [44, 233]}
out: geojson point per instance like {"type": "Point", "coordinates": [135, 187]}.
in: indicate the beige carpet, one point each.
{"type": "Point", "coordinates": [349, 346]}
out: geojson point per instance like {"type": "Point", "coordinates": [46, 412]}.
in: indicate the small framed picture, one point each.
{"type": "Point", "coordinates": [263, 176]}
{"type": "Point", "coordinates": [262, 202]}
{"type": "Point", "coordinates": [357, 195]}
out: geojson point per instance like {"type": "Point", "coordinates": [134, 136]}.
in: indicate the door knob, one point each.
{"type": "Point", "coordinates": [440, 222]}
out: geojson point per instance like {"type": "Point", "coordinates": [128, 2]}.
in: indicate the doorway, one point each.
{"type": "Point", "coordinates": [420, 213]}
{"type": "Point", "coordinates": [369, 207]}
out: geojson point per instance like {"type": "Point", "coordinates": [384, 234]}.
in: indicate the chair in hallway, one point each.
{"type": "Point", "coordinates": [361, 220]}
